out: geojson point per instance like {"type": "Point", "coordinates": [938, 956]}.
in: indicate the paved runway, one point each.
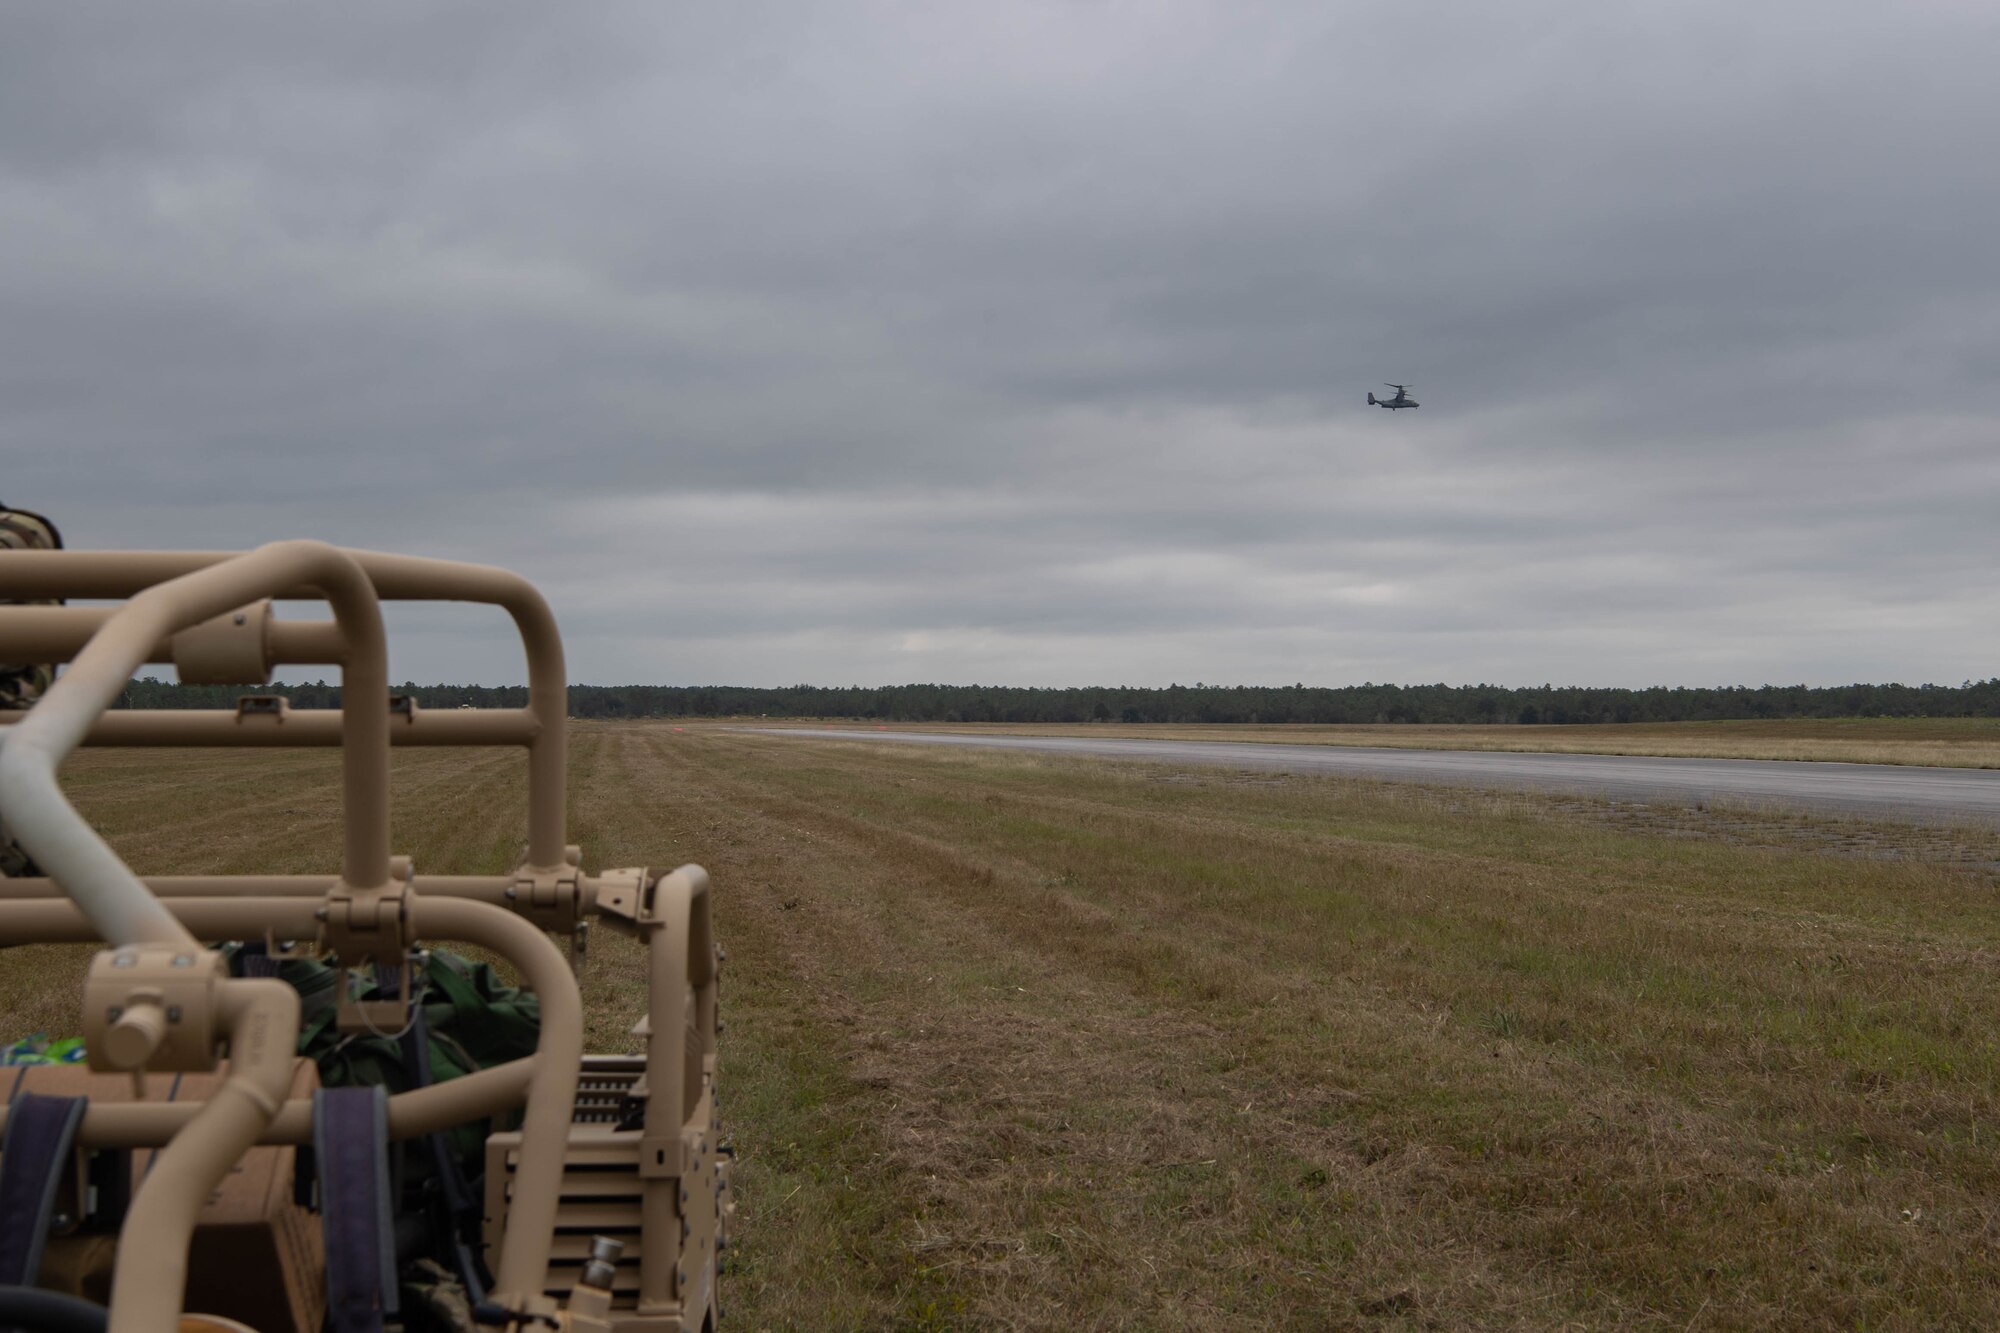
{"type": "Point", "coordinates": [1889, 791]}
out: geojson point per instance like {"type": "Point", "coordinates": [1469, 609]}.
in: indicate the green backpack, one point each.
{"type": "Point", "coordinates": [474, 1020]}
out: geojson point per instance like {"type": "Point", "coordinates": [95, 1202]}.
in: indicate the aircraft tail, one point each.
{"type": "Point", "coordinates": [1371, 400]}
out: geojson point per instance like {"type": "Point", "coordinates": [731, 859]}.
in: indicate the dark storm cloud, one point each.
{"type": "Point", "coordinates": [1027, 342]}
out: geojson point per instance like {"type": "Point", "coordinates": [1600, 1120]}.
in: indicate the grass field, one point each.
{"type": "Point", "coordinates": [1949, 742]}
{"type": "Point", "coordinates": [1022, 1042]}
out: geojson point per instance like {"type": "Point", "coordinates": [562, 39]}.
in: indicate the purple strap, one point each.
{"type": "Point", "coordinates": [351, 1145]}
{"type": "Point", "coordinates": [41, 1135]}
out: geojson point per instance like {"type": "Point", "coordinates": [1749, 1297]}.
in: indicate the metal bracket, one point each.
{"type": "Point", "coordinates": [620, 893]}
{"type": "Point", "coordinates": [152, 1006]}
{"type": "Point", "coordinates": [364, 926]}
{"type": "Point", "coordinates": [288, 950]}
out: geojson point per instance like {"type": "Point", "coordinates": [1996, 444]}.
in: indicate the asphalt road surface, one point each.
{"type": "Point", "coordinates": [1884, 791]}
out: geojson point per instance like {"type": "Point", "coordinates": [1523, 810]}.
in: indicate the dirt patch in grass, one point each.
{"type": "Point", "coordinates": [1019, 1041]}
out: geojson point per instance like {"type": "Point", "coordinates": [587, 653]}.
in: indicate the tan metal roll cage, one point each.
{"type": "Point", "coordinates": [209, 613]}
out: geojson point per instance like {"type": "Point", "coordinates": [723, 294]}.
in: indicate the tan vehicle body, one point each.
{"type": "Point", "coordinates": [156, 999]}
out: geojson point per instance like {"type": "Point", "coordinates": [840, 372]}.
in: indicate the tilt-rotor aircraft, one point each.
{"type": "Point", "coordinates": [1402, 398]}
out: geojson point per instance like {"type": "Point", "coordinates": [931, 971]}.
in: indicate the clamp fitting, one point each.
{"type": "Point", "coordinates": [152, 1006]}
{"type": "Point", "coordinates": [363, 926]}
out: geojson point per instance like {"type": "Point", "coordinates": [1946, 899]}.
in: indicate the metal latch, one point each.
{"type": "Point", "coordinates": [364, 926]}
{"type": "Point", "coordinates": [619, 892]}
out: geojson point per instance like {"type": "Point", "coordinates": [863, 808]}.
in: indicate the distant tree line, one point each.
{"type": "Point", "coordinates": [1558, 705]}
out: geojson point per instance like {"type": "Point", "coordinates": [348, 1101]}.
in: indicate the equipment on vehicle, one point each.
{"type": "Point", "coordinates": [1402, 398]}
{"type": "Point", "coordinates": [606, 1203]}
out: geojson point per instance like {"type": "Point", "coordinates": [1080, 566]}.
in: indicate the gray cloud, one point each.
{"type": "Point", "coordinates": [1028, 343]}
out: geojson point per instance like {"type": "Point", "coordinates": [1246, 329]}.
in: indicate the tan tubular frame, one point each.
{"type": "Point", "coordinates": [171, 594]}
{"type": "Point", "coordinates": [39, 574]}
{"type": "Point", "coordinates": [681, 959]}
{"type": "Point", "coordinates": [550, 1083]}
{"type": "Point", "coordinates": [412, 1114]}
{"type": "Point", "coordinates": [211, 727]}
{"type": "Point", "coordinates": [474, 888]}
{"type": "Point", "coordinates": [58, 633]}
{"type": "Point", "coordinates": [682, 966]}
{"type": "Point", "coordinates": [57, 836]}
{"type": "Point", "coordinates": [261, 1019]}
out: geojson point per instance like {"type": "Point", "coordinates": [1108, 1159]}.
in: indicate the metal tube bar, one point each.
{"type": "Point", "coordinates": [45, 823]}
{"type": "Point", "coordinates": [531, 1220]}
{"type": "Point", "coordinates": [412, 1114]}
{"type": "Point", "coordinates": [408, 577]}
{"type": "Point", "coordinates": [261, 1019]}
{"type": "Point", "coordinates": [303, 727]}
{"type": "Point", "coordinates": [33, 574]}
{"type": "Point", "coordinates": [474, 888]}
{"type": "Point", "coordinates": [59, 633]}
{"type": "Point", "coordinates": [680, 960]}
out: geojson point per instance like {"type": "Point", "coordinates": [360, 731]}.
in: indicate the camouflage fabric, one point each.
{"type": "Point", "coordinates": [23, 683]}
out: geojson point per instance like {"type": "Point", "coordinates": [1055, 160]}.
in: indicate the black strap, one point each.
{"type": "Point", "coordinates": [40, 1138]}
{"type": "Point", "coordinates": [463, 1213]}
{"type": "Point", "coordinates": [351, 1147]}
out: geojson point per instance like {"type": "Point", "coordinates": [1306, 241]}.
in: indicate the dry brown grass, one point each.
{"type": "Point", "coordinates": [1023, 1042]}
{"type": "Point", "coordinates": [1946, 742]}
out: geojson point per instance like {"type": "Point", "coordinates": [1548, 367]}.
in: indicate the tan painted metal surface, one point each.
{"type": "Point", "coordinates": [49, 827]}
{"type": "Point", "coordinates": [209, 614]}
{"type": "Point", "coordinates": [289, 727]}
{"type": "Point", "coordinates": [394, 578]}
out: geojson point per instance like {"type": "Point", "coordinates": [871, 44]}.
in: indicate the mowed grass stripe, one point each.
{"type": "Point", "coordinates": [1141, 1168]}
{"type": "Point", "coordinates": [1734, 1035]}
{"type": "Point", "coordinates": [1633, 906]}
{"type": "Point", "coordinates": [820, 1203]}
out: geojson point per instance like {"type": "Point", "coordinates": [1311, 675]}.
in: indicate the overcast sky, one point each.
{"type": "Point", "coordinates": [1029, 343]}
